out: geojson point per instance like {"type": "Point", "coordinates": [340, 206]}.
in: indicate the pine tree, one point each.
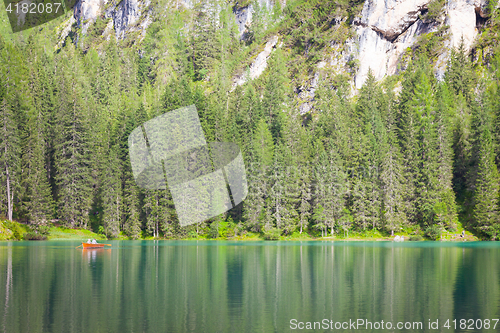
{"type": "Point", "coordinates": [373, 140]}
{"type": "Point", "coordinates": [337, 189]}
{"type": "Point", "coordinates": [132, 220]}
{"type": "Point", "coordinates": [330, 187]}
{"type": "Point", "coordinates": [39, 203]}
{"type": "Point", "coordinates": [205, 43]}
{"type": "Point", "coordinates": [261, 160]}
{"type": "Point", "coordinates": [460, 74]}
{"type": "Point", "coordinates": [486, 210]}
{"type": "Point", "coordinates": [423, 105]}
{"type": "Point", "coordinates": [319, 218]}
{"type": "Point", "coordinates": [446, 208]}
{"type": "Point", "coordinates": [305, 196]}
{"type": "Point", "coordinates": [275, 95]}
{"type": "Point", "coordinates": [9, 153]}
{"type": "Point", "coordinates": [285, 191]}
{"type": "Point", "coordinates": [419, 137]}
{"type": "Point", "coordinates": [393, 187]}
{"type": "Point", "coordinates": [72, 154]}
{"type": "Point", "coordinates": [461, 80]}
{"type": "Point", "coordinates": [157, 211]}
{"type": "Point", "coordinates": [111, 195]}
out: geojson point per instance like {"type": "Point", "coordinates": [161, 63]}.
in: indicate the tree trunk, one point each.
{"type": "Point", "coordinates": [9, 198]}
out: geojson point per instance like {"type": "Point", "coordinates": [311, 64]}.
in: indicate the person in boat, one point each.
{"type": "Point", "coordinates": [94, 241]}
{"type": "Point", "coordinates": [89, 241]}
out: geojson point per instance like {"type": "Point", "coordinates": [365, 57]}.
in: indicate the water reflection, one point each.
{"type": "Point", "coordinates": [93, 253]}
{"type": "Point", "coordinates": [241, 287]}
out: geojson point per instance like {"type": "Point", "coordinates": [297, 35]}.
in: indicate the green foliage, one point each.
{"type": "Point", "coordinates": [430, 45]}
{"type": "Point", "coordinates": [272, 234]}
{"type": "Point", "coordinates": [17, 230]}
{"type": "Point", "coordinates": [435, 9]}
{"type": "Point", "coordinates": [34, 236]}
{"type": "Point", "coordinates": [219, 229]}
{"type": "Point", "coordinates": [433, 232]}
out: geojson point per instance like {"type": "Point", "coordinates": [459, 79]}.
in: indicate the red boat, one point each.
{"type": "Point", "coordinates": [93, 246]}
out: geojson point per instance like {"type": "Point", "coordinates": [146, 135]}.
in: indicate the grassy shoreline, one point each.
{"type": "Point", "coordinates": [12, 231]}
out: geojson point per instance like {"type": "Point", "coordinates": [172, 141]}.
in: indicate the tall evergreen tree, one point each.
{"type": "Point", "coordinates": [261, 161]}
{"type": "Point", "coordinates": [486, 210]}
{"type": "Point", "coordinates": [111, 195]}
{"type": "Point", "coordinates": [275, 95]}
{"type": "Point", "coordinates": [72, 146]}
{"type": "Point", "coordinates": [39, 202]}
{"type": "Point", "coordinates": [9, 153]}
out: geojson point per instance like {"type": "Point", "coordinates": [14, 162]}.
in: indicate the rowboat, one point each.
{"type": "Point", "coordinates": [93, 246]}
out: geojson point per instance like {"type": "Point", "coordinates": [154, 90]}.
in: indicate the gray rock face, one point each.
{"type": "Point", "coordinates": [387, 28]}
{"type": "Point", "coordinates": [259, 64]}
{"type": "Point", "coordinates": [461, 17]}
{"type": "Point", "coordinates": [86, 11]}
{"type": "Point", "coordinates": [127, 15]}
{"type": "Point", "coordinates": [381, 55]}
{"type": "Point", "coordinates": [391, 17]}
{"type": "Point", "coordinates": [243, 18]}
{"type": "Point", "coordinates": [243, 15]}
{"type": "Point", "coordinates": [306, 94]}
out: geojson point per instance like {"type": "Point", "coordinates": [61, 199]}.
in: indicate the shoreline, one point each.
{"type": "Point", "coordinates": [15, 231]}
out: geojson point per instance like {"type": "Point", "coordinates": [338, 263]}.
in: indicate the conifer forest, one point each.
{"type": "Point", "coordinates": [412, 151]}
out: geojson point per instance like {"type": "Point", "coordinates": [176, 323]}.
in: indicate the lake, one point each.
{"type": "Point", "coordinates": [210, 286]}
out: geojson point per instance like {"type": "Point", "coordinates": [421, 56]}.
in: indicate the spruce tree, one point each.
{"type": "Point", "coordinates": [275, 95]}
{"type": "Point", "coordinates": [72, 155]}
{"type": "Point", "coordinates": [460, 75]}
{"type": "Point", "coordinates": [393, 187]}
{"type": "Point", "coordinates": [111, 195]}
{"type": "Point", "coordinates": [39, 202]}
{"type": "Point", "coordinates": [305, 195]}
{"type": "Point", "coordinates": [132, 196]}
{"type": "Point", "coordinates": [486, 210]}
{"type": "Point", "coordinates": [446, 208]}
{"type": "Point", "coordinates": [9, 153]}
{"type": "Point", "coordinates": [373, 138]}
{"type": "Point", "coordinates": [261, 161]}
{"type": "Point", "coordinates": [205, 44]}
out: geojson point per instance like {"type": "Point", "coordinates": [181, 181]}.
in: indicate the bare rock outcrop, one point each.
{"type": "Point", "coordinates": [127, 15]}
{"type": "Point", "coordinates": [259, 64]}
{"type": "Point", "coordinates": [387, 28]}
{"type": "Point", "coordinates": [391, 17]}
{"type": "Point", "coordinates": [86, 12]}
{"type": "Point", "coordinates": [462, 18]}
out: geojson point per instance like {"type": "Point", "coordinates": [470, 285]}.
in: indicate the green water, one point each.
{"type": "Point", "coordinates": [189, 286]}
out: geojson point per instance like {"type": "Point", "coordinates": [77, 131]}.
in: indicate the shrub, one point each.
{"type": "Point", "coordinates": [272, 234]}
{"type": "Point", "coordinates": [435, 9]}
{"type": "Point", "coordinates": [219, 228]}
{"type": "Point", "coordinates": [17, 229]}
{"type": "Point", "coordinates": [416, 238]}
{"type": "Point", "coordinates": [34, 236]}
{"type": "Point", "coordinates": [42, 229]}
{"type": "Point", "coordinates": [433, 232]}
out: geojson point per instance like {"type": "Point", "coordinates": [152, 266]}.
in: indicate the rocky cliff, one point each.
{"type": "Point", "coordinates": [387, 28]}
{"type": "Point", "coordinates": [384, 32]}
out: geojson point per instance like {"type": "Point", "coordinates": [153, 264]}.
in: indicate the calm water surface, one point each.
{"type": "Point", "coordinates": [189, 286]}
